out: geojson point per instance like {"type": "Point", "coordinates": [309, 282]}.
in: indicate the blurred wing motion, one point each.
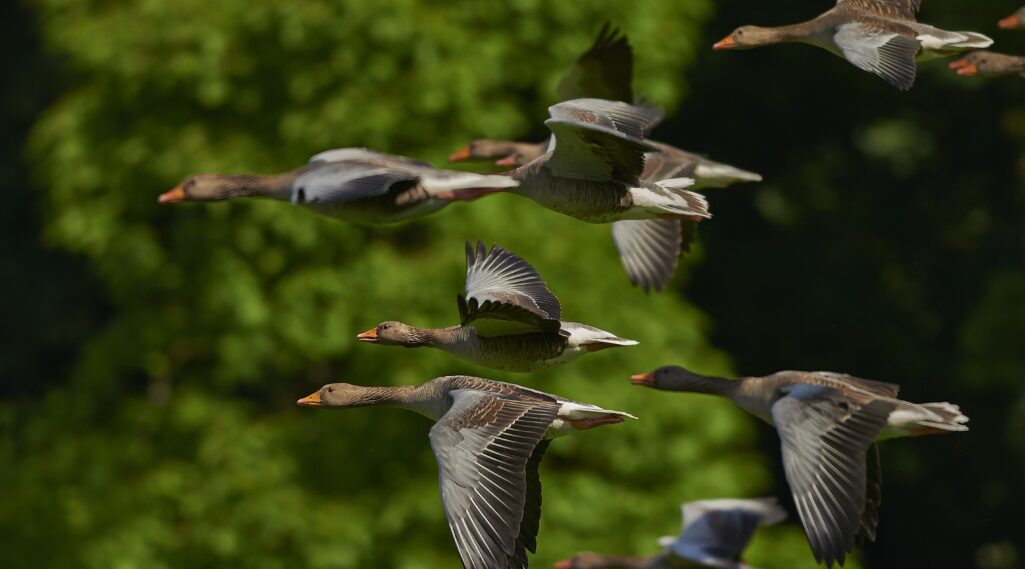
{"type": "Point", "coordinates": [603, 72]}
{"type": "Point", "coordinates": [488, 450]}
{"type": "Point", "coordinates": [600, 140]}
{"type": "Point", "coordinates": [825, 443]}
{"type": "Point", "coordinates": [505, 295]}
{"type": "Point", "coordinates": [716, 532]}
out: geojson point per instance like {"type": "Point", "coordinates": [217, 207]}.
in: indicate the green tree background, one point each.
{"type": "Point", "coordinates": [153, 355]}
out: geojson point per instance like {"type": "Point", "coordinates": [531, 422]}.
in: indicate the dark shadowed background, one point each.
{"type": "Point", "coordinates": [152, 355]}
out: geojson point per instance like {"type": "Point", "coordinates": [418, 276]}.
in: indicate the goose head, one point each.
{"type": "Point", "coordinates": [987, 63]}
{"type": "Point", "coordinates": [672, 378]}
{"type": "Point", "coordinates": [336, 395]}
{"type": "Point", "coordinates": [1014, 21]}
{"type": "Point", "coordinates": [211, 187]}
{"type": "Point", "coordinates": [394, 333]}
{"type": "Point", "coordinates": [747, 37]}
{"type": "Point", "coordinates": [504, 152]}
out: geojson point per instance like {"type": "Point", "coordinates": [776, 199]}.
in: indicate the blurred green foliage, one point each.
{"type": "Point", "coordinates": [174, 441]}
{"type": "Point", "coordinates": [148, 417]}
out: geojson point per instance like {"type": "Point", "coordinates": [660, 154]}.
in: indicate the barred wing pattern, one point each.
{"type": "Point", "coordinates": [825, 443]}
{"type": "Point", "coordinates": [505, 295]}
{"type": "Point", "coordinates": [488, 449]}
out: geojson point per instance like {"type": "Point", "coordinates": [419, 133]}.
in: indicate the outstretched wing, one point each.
{"type": "Point", "coordinates": [825, 443]}
{"type": "Point", "coordinates": [880, 51]}
{"type": "Point", "coordinates": [505, 295]}
{"type": "Point", "coordinates": [603, 72]}
{"type": "Point", "coordinates": [488, 449]}
{"type": "Point", "coordinates": [650, 249]}
{"type": "Point", "coordinates": [600, 140]}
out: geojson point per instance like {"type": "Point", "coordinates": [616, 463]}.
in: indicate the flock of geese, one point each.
{"type": "Point", "coordinates": [599, 166]}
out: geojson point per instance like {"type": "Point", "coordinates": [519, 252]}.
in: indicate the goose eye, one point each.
{"type": "Point", "coordinates": [330, 389]}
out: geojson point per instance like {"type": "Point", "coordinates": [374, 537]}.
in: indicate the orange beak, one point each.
{"type": "Point", "coordinates": [176, 194]}
{"type": "Point", "coordinates": [964, 68]}
{"type": "Point", "coordinates": [564, 564]}
{"type": "Point", "coordinates": [509, 161]}
{"type": "Point", "coordinates": [725, 43]}
{"type": "Point", "coordinates": [460, 155]}
{"type": "Point", "coordinates": [643, 379]}
{"type": "Point", "coordinates": [1009, 23]}
{"type": "Point", "coordinates": [370, 336]}
{"type": "Point", "coordinates": [311, 400]}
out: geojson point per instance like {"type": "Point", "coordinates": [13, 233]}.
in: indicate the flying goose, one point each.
{"type": "Point", "coordinates": [355, 184]}
{"type": "Point", "coordinates": [989, 64]}
{"type": "Point", "coordinates": [878, 36]}
{"type": "Point", "coordinates": [715, 534]}
{"type": "Point", "coordinates": [649, 250]}
{"type": "Point", "coordinates": [827, 423]}
{"type": "Point", "coordinates": [509, 320]}
{"type": "Point", "coordinates": [593, 174]}
{"type": "Point", "coordinates": [1013, 22]}
{"type": "Point", "coordinates": [489, 438]}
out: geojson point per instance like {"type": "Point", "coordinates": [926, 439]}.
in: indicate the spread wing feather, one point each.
{"type": "Point", "coordinates": [505, 295]}
{"type": "Point", "coordinates": [487, 448]}
{"type": "Point", "coordinates": [825, 442]}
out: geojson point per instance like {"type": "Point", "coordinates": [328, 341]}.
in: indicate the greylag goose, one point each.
{"type": "Point", "coordinates": [715, 534]}
{"type": "Point", "coordinates": [605, 71]}
{"type": "Point", "coordinates": [593, 174]}
{"type": "Point", "coordinates": [1014, 21]}
{"type": "Point", "coordinates": [827, 423]}
{"type": "Point", "coordinates": [489, 438]}
{"type": "Point", "coordinates": [509, 320]}
{"type": "Point", "coordinates": [649, 250]}
{"type": "Point", "coordinates": [989, 64]}
{"type": "Point", "coordinates": [349, 183]}
{"type": "Point", "coordinates": [879, 36]}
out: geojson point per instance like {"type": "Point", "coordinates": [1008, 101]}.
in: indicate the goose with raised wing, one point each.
{"type": "Point", "coordinates": [354, 184]}
{"type": "Point", "coordinates": [828, 424]}
{"type": "Point", "coordinates": [649, 250]}
{"type": "Point", "coordinates": [509, 320]}
{"type": "Point", "coordinates": [594, 174]}
{"type": "Point", "coordinates": [879, 36]}
{"type": "Point", "coordinates": [715, 534]}
{"type": "Point", "coordinates": [989, 64]}
{"type": "Point", "coordinates": [488, 438]}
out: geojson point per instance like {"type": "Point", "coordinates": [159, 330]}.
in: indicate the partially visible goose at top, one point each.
{"type": "Point", "coordinates": [827, 423]}
{"type": "Point", "coordinates": [878, 36]}
{"type": "Point", "coordinates": [489, 438]}
{"type": "Point", "coordinates": [354, 184]}
{"type": "Point", "coordinates": [1015, 21]}
{"type": "Point", "coordinates": [593, 174]}
{"type": "Point", "coordinates": [989, 64]}
{"type": "Point", "coordinates": [715, 534]}
{"type": "Point", "coordinates": [509, 320]}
